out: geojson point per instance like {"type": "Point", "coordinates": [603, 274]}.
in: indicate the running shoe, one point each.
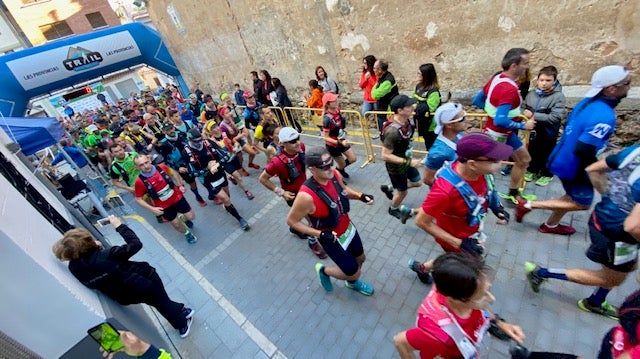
{"type": "Point", "coordinates": [191, 239]}
{"type": "Point", "coordinates": [531, 269]}
{"type": "Point", "coordinates": [375, 136]}
{"type": "Point", "coordinates": [605, 308]}
{"type": "Point", "coordinates": [506, 170]}
{"type": "Point", "coordinates": [244, 224]}
{"type": "Point", "coordinates": [244, 172]}
{"type": "Point", "coordinates": [360, 286]}
{"type": "Point", "coordinates": [317, 249]}
{"type": "Point", "coordinates": [184, 332]}
{"type": "Point", "coordinates": [514, 198]}
{"type": "Point", "coordinates": [560, 229]}
{"type": "Point", "coordinates": [254, 166]}
{"type": "Point", "coordinates": [325, 281]}
{"type": "Point", "coordinates": [521, 209]}
{"type": "Point", "coordinates": [188, 312]}
{"type": "Point", "coordinates": [402, 213]}
{"type": "Point", "coordinates": [388, 190]}
{"type": "Point", "coordinates": [529, 176]}
{"type": "Point", "coordinates": [201, 202]}
{"type": "Point", "coordinates": [250, 195]}
{"type": "Point", "coordinates": [425, 277]}
{"type": "Point", "coordinates": [543, 181]}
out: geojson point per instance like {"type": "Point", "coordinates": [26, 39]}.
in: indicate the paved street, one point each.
{"type": "Point", "coordinates": [256, 294]}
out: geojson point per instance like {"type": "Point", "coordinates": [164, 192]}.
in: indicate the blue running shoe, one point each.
{"type": "Point", "coordinates": [360, 286]}
{"type": "Point", "coordinates": [325, 281]}
{"type": "Point", "coordinates": [191, 239]}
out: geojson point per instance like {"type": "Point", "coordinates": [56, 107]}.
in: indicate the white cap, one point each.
{"type": "Point", "coordinates": [92, 128]}
{"type": "Point", "coordinates": [287, 134]}
{"type": "Point", "coordinates": [605, 77]}
{"type": "Point", "coordinates": [447, 113]}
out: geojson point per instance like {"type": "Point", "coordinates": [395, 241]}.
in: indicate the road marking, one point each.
{"type": "Point", "coordinates": [270, 349]}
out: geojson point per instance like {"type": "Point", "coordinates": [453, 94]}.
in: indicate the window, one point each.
{"type": "Point", "coordinates": [56, 30]}
{"type": "Point", "coordinates": [96, 20]}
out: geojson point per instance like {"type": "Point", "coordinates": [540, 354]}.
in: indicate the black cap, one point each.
{"type": "Point", "coordinates": [401, 101]}
{"type": "Point", "coordinates": [313, 157]}
{"type": "Point", "coordinates": [168, 126]}
{"type": "Point", "coordinates": [193, 133]}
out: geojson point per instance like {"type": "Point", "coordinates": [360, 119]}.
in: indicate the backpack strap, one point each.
{"type": "Point", "coordinates": [469, 196]}
{"type": "Point", "coordinates": [336, 208]}
{"type": "Point", "coordinates": [150, 190]}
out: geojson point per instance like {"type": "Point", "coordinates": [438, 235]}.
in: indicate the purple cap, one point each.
{"type": "Point", "coordinates": [477, 144]}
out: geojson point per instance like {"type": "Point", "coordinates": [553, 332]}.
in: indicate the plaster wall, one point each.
{"type": "Point", "coordinates": [218, 42]}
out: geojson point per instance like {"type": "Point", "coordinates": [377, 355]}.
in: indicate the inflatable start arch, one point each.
{"type": "Point", "coordinates": [55, 65]}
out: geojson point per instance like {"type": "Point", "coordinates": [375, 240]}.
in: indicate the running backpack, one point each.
{"type": "Point", "coordinates": [476, 210]}
{"type": "Point", "coordinates": [150, 190]}
{"type": "Point", "coordinates": [335, 208]}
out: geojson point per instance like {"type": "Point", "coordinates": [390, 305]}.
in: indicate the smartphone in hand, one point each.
{"type": "Point", "coordinates": [104, 221]}
{"type": "Point", "coordinates": [107, 336]}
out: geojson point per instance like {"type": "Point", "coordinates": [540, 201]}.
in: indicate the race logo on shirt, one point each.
{"type": "Point", "coordinates": [601, 130]}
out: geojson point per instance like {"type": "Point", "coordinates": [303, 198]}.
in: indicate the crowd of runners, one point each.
{"type": "Point", "coordinates": [156, 144]}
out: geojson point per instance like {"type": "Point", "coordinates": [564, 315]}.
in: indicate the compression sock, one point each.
{"type": "Point", "coordinates": [514, 192]}
{"type": "Point", "coordinates": [598, 296]}
{"type": "Point", "coordinates": [232, 210]}
{"type": "Point", "coordinates": [552, 273]}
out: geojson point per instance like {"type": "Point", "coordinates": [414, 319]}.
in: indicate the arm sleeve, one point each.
{"type": "Point", "coordinates": [479, 100]}
{"type": "Point", "coordinates": [379, 90]}
{"type": "Point", "coordinates": [128, 250]}
{"type": "Point", "coordinates": [502, 119]}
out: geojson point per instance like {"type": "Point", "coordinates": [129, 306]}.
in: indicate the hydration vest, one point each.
{"type": "Point", "coordinates": [336, 209]}
{"type": "Point", "coordinates": [492, 110]}
{"type": "Point", "coordinates": [476, 209]}
{"type": "Point", "coordinates": [150, 190]}
{"type": "Point", "coordinates": [440, 315]}
{"type": "Point", "coordinates": [290, 163]}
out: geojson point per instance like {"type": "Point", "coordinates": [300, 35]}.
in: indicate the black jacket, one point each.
{"type": "Point", "coordinates": [111, 272]}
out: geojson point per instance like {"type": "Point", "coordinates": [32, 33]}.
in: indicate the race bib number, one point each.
{"type": "Point", "coordinates": [497, 136]}
{"type": "Point", "coordinates": [165, 193]}
{"type": "Point", "coordinates": [625, 253]}
{"type": "Point", "coordinates": [346, 237]}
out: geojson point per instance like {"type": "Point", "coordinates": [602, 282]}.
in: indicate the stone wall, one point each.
{"type": "Point", "coordinates": [219, 42]}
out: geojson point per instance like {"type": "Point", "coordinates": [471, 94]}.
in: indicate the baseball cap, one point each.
{"type": "Point", "coordinates": [92, 128]}
{"type": "Point", "coordinates": [223, 110]}
{"type": "Point", "coordinates": [193, 133]}
{"type": "Point", "coordinates": [247, 94]}
{"type": "Point", "coordinates": [313, 157]}
{"type": "Point", "coordinates": [401, 101]}
{"type": "Point", "coordinates": [328, 97]}
{"type": "Point", "coordinates": [287, 134]}
{"type": "Point", "coordinates": [192, 95]}
{"type": "Point", "coordinates": [477, 144]}
{"type": "Point", "coordinates": [168, 126]}
{"type": "Point", "coordinates": [223, 96]}
{"type": "Point", "coordinates": [605, 77]}
{"type": "Point", "coordinates": [447, 113]}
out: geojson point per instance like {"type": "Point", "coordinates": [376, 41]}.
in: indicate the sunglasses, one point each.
{"type": "Point", "coordinates": [626, 83]}
{"type": "Point", "coordinates": [196, 140]}
{"type": "Point", "coordinates": [293, 142]}
{"type": "Point", "coordinates": [325, 167]}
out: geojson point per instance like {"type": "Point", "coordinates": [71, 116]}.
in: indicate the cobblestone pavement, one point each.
{"type": "Point", "coordinates": [256, 294]}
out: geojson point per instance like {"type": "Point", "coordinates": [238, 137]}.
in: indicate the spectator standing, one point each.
{"type": "Point", "coordinates": [368, 79]}
{"type": "Point", "coordinates": [110, 271]}
{"type": "Point", "coordinates": [546, 104]}
{"type": "Point", "coordinates": [427, 92]}
{"type": "Point", "coordinates": [383, 91]}
{"type": "Point", "coordinates": [327, 83]}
